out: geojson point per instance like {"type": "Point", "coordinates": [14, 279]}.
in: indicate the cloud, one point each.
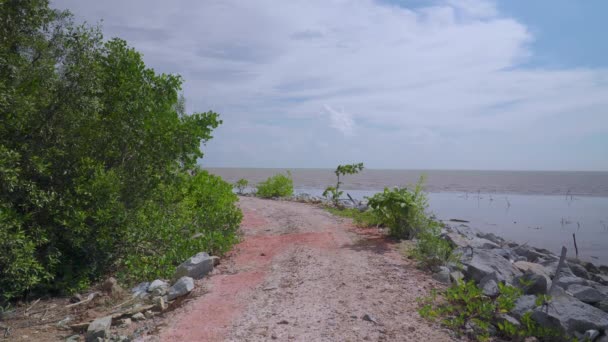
{"type": "Point", "coordinates": [341, 121]}
{"type": "Point", "coordinates": [445, 79]}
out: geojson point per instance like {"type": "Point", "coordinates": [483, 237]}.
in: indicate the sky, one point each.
{"type": "Point", "coordinates": [412, 84]}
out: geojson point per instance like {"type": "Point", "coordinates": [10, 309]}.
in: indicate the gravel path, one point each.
{"type": "Point", "coordinates": [301, 274]}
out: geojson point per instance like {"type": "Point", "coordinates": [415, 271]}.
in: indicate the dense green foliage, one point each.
{"type": "Point", "coordinates": [96, 154]}
{"type": "Point", "coordinates": [279, 185]}
{"type": "Point", "coordinates": [333, 193]}
{"type": "Point", "coordinates": [431, 250]}
{"type": "Point", "coordinates": [403, 211]}
{"type": "Point", "coordinates": [241, 185]}
{"type": "Point", "coordinates": [466, 310]}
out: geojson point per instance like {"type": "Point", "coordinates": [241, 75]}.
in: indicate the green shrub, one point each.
{"type": "Point", "coordinates": [279, 185]}
{"type": "Point", "coordinates": [402, 211]}
{"type": "Point", "coordinates": [199, 215]}
{"type": "Point", "coordinates": [241, 185]}
{"type": "Point", "coordinates": [432, 250]}
{"type": "Point", "coordinates": [464, 307]}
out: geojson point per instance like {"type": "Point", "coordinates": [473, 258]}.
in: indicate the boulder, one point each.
{"type": "Point", "coordinates": [530, 253]}
{"type": "Point", "coordinates": [490, 236]}
{"type": "Point", "coordinates": [442, 275]}
{"type": "Point", "coordinates": [461, 241]}
{"type": "Point", "coordinates": [99, 328]}
{"type": "Point", "coordinates": [159, 304]}
{"type": "Point", "coordinates": [530, 267]}
{"type": "Point", "coordinates": [182, 287]}
{"type": "Point", "coordinates": [484, 262]}
{"type": "Point", "coordinates": [141, 290]}
{"type": "Point", "coordinates": [158, 288]}
{"type": "Point", "coordinates": [138, 317]}
{"type": "Point", "coordinates": [566, 282]}
{"type": "Point", "coordinates": [196, 267]}
{"type": "Point", "coordinates": [456, 276]}
{"type": "Point", "coordinates": [602, 305]}
{"type": "Point", "coordinates": [489, 285]}
{"type": "Point", "coordinates": [578, 270]}
{"type": "Point", "coordinates": [585, 294]}
{"type": "Point", "coordinates": [508, 318]}
{"type": "Point", "coordinates": [523, 304]}
{"type": "Point", "coordinates": [531, 283]}
{"type": "Point", "coordinates": [569, 315]}
{"type": "Point", "coordinates": [600, 278]}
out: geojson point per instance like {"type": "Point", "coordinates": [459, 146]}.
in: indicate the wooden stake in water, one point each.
{"type": "Point", "coordinates": [575, 246]}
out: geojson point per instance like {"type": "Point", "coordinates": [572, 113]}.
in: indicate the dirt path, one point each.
{"type": "Point", "coordinates": [302, 274]}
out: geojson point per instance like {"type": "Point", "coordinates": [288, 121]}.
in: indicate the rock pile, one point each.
{"type": "Point", "coordinates": [148, 299]}
{"type": "Point", "coordinates": [579, 299]}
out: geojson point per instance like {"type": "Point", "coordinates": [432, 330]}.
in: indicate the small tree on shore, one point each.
{"type": "Point", "coordinates": [241, 185]}
{"type": "Point", "coordinates": [333, 192]}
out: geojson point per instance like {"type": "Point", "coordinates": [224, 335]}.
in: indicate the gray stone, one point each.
{"type": "Point", "coordinates": [456, 276]}
{"type": "Point", "coordinates": [141, 290]}
{"type": "Point", "coordinates": [569, 315]}
{"type": "Point", "coordinates": [159, 304]}
{"type": "Point", "coordinates": [523, 304]}
{"type": "Point", "coordinates": [603, 269]}
{"type": "Point", "coordinates": [148, 314]}
{"type": "Point", "coordinates": [443, 275]}
{"type": "Point", "coordinates": [508, 318]}
{"type": "Point", "coordinates": [591, 335]}
{"type": "Point", "coordinates": [578, 270]}
{"type": "Point", "coordinates": [531, 283]}
{"type": "Point", "coordinates": [73, 338]}
{"type": "Point", "coordinates": [603, 338]}
{"type": "Point", "coordinates": [484, 262]}
{"type": "Point", "coordinates": [138, 317]}
{"type": "Point", "coordinates": [600, 278]}
{"type": "Point", "coordinates": [506, 253]}
{"type": "Point", "coordinates": [182, 287]}
{"type": "Point", "coordinates": [566, 282]}
{"type": "Point", "coordinates": [490, 236]}
{"type": "Point", "coordinates": [525, 267]}
{"type": "Point", "coordinates": [602, 305]}
{"type": "Point", "coordinates": [63, 324]}
{"type": "Point", "coordinates": [529, 253]}
{"type": "Point", "coordinates": [196, 267]}
{"type": "Point", "coordinates": [489, 285]}
{"type": "Point", "coordinates": [158, 288]}
{"type": "Point", "coordinates": [585, 293]}
{"type": "Point", "coordinates": [99, 328]}
{"type": "Point", "coordinates": [124, 322]}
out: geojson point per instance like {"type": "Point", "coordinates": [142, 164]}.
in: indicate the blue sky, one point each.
{"type": "Point", "coordinates": [442, 84]}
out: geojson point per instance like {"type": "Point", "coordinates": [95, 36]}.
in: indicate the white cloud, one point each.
{"type": "Point", "coordinates": [341, 121]}
{"type": "Point", "coordinates": [439, 79]}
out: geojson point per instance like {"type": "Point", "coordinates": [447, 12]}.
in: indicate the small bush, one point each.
{"type": "Point", "coordinates": [241, 185]}
{"type": "Point", "coordinates": [279, 185]}
{"type": "Point", "coordinates": [333, 193]}
{"type": "Point", "coordinates": [466, 310]}
{"type": "Point", "coordinates": [402, 211]}
{"type": "Point", "coordinates": [432, 250]}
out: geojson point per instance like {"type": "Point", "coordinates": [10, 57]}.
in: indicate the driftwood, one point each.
{"type": "Point", "coordinates": [575, 246]}
{"type": "Point", "coordinates": [31, 306]}
{"type": "Point", "coordinates": [89, 298]}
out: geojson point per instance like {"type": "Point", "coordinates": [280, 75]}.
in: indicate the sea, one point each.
{"type": "Point", "coordinates": [546, 209]}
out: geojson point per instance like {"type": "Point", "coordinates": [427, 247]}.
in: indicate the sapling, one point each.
{"type": "Point", "coordinates": [333, 192]}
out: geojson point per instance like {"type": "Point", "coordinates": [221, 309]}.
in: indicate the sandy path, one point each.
{"type": "Point", "coordinates": [302, 274]}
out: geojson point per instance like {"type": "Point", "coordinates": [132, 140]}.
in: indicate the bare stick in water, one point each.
{"type": "Point", "coordinates": [575, 246]}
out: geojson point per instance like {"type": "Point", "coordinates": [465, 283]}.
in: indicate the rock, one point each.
{"type": "Point", "coordinates": [531, 283]}
{"type": "Point", "coordinates": [600, 278]}
{"type": "Point", "coordinates": [484, 262]}
{"type": "Point", "coordinates": [578, 270]}
{"type": "Point", "coordinates": [196, 267]}
{"type": "Point", "coordinates": [523, 304]}
{"type": "Point", "coordinates": [602, 338]}
{"type": "Point", "coordinates": [602, 305]}
{"type": "Point", "coordinates": [489, 285]}
{"type": "Point", "coordinates": [590, 267]}
{"type": "Point", "coordinates": [369, 318]}
{"type": "Point", "coordinates": [138, 317]}
{"type": "Point", "coordinates": [158, 288]}
{"type": "Point", "coordinates": [443, 275]}
{"type": "Point", "coordinates": [569, 315]}
{"type": "Point", "coordinates": [591, 335]}
{"type": "Point", "coordinates": [76, 298]}
{"type": "Point", "coordinates": [148, 314]}
{"type": "Point", "coordinates": [182, 287]}
{"type": "Point", "coordinates": [490, 236]}
{"type": "Point", "coordinates": [461, 241]}
{"type": "Point", "coordinates": [63, 324]}
{"type": "Point", "coordinates": [603, 269]}
{"type": "Point", "coordinates": [99, 328]}
{"type": "Point", "coordinates": [141, 290]}
{"type": "Point", "coordinates": [508, 318]}
{"type": "Point", "coordinates": [525, 266]}
{"type": "Point", "coordinates": [216, 260]}
{"type": "Point", "coordinates": [585, 293]}
{"type": "Point", "coordinates": [531, 254]}
{"type": "Point", "coordinates": [125, 322]}
{"type": "Point", "coordinates": [456, 276]}
{"type": "Point", "coordinates": [111, 286]}
{"type": "Point", "coordinates": [73, 338]}
{"type": "Point", "coordinates": [507, 254]}
{"type": "Point", "coordinates": [566, 282]}
{"type": "Point", "coordinates": [159, 304]}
